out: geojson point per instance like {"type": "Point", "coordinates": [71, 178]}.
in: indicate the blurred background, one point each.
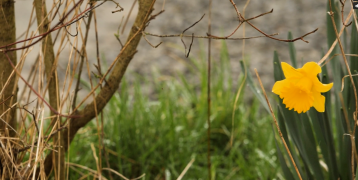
{"type": "Point", "coordinates": [296, 16]}
{"type": "Point", "coordinates": [156, 123]}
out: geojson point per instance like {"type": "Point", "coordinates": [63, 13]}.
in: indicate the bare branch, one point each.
{"type": "Point", "coordinates": [120, 65]}
{"type": "Point", "coordinates": [342, 15]}
{"type": "Point", "coordinates": [204, 37]}
{"type": "Point", "coordinates": [149, 42]}
{"type": "Point", "coordinates": [192, 40]}
{"type": "Point", "coordinates": [181, 37]}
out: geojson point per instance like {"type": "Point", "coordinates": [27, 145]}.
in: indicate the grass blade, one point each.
{"type": "Point", "coordinates": [254, 89]}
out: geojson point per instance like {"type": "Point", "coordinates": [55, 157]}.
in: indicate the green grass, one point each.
{"type": "Point", "coordinates": [159, 134]}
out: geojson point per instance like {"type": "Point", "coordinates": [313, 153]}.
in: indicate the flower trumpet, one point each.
{"type": "Point", "coordinates": [301, 89]}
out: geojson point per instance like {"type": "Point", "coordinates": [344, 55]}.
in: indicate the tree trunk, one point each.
{"type": "Point", "coordinates": [9, 91]}
{"type": "Point", "coordinates": [7, 36]}
{"type": "Point", "coordinates": [123, 59]}
{"type": "Point", "coordinates": [51, 77]}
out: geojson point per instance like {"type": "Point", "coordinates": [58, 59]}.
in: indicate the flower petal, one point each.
{"type": "Point", "coordinates": [311, 69]}
{"type": "Point", "coordinates": [278, 86]}
{"type": "Point", "coordinates": [319, 102]}
{"type": "Point", "coordinates": [296, 98]}
{"type": "Point", "coordinates": [289, 71]}
{"type": "Point", "coordinates": [301, 89]}
{"type": "Point", "coordinates": [318, 86]}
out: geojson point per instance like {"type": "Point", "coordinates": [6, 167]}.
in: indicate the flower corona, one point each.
{"type": "Point", "coordinates": [301, 89]}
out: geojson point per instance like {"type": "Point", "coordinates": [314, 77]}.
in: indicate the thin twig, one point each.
{"type": "Point", "coordinates": [342, 85]}
{"type": "Point", "coordinates": [38, 144]}
{"type": "Point", "coordinates": [38, 95]}
{"type": "Point", "coordinates": [259, 15]}
{"type": "Point", "coordinates": [70, 33]}
{"type": "Point", "coordinates": [56, 27]}
{"type": "Point", "coordinates": [208, 91]}
{"type": "Point", "coordinates": [205, 37]}
{"type": "Point", "coordinates": [192, 40]}
{"type": "Point", "coordinates": [49, 136]}
{"type": "Point", "coordinates": [241, 22]}
{"type": "Point", "coordinates": [277, 126]}
{"type": "Point", "coordinates": [237, 11]}
{"type": "Point", "coordinates": [83, 52]}
{"type": "Point", "coordinates": [186, 169]}
{"type": "Point", "coordinates": [242, 83]}
{"type": "Point", "coordinates": [193, 24]}
{"type": "Point", "coordinates": [226, 37]}
{"type": "Point", "coordinates": [119, 10]}
{"type": "Point", "coordinates": [129, 14]}
{"type": "Point", "coordinates": [284, 40]}
{"type": "Point", "coordinates": [354, 88]}
{"type": "Point", "coordinates": [153, 16]}
{"type": "Point", "coordinates": [33, 116]}
{"type": "Point", "coordinates": [117, 5]}
{"type": "Point", "coordinates": [115, 172]}
{"type": "Point", "coordinates": [342, 15]}
{"type": "Point", "coordinates": [181, 37]}
{"type": "Point", "coordinates": [6, 99]}
{"type": "Point", "coordinates": [153, 46]}
{"type": "Point", "coordinates": [335, 42]}
{"type": "Point", "coordinates": [99, 67]}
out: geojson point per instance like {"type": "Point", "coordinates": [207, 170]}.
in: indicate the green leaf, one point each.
{"type": "Point", "coordinates": [351, 103]}
{"type": "Point", "coordinates": [281, 123]}
{"type": "Point", "coordinates": [344, 149]}
{"type": "Point", "coordinates": [286, 171]}
{"type": "Point", "coordinates": [309, 144]}
{"type": "Point", "coordinates": [283, 129]}
{"type": "Point", "coordinates": [277, 69]}
{"type": "Point", "coordinates": [254, 89]}
{"type": "Point", "coordinates": [354, 50]}
{"type": "Point", "coordinates": [291, 45]}
{"type": "Point", "coordinates": [225, 63]}
{"type": "Point", "coordinates": [294, 129]}
{"type": "Point", "coordinates": [324, 136]}
{"type": "Point", "coordinates": [331, 37]}
{"type": "Point", "coordinates": [326, 80]}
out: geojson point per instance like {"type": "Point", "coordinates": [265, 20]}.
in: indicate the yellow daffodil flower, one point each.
{"type": "Point", "coordinates": [301, 89]}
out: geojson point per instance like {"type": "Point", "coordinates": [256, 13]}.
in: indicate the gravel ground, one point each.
{"type": "Point", "coordinates": [297, 16]}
